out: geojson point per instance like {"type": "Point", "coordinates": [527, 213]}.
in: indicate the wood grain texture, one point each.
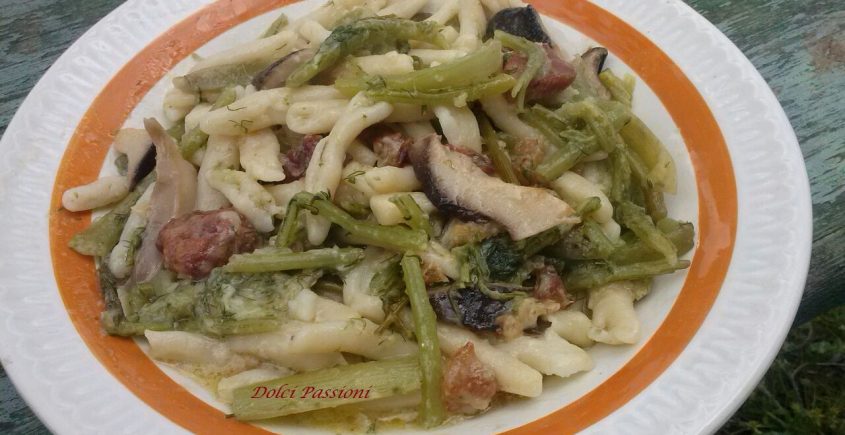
{"type": "Point", "coordinates": [798, 46]}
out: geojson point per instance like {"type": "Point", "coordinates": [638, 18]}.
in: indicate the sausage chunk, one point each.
{"type": "Point", "coordinates": [194, 244]}
{"type": "Point", "coordinates": [295, 161]}
{"type": "Point", "coordinates": [468, 385]}
{"type": "Point", "coordinates": [549, 286]}
{"type": "Point", "coordinates": [555, 76]}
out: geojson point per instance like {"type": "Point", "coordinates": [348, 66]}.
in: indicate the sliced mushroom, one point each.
{"type": "Point", "coordinates": [275, 75]}
{"type": "Point", "coordinates": [591, 65]}
{"type": "Point", "coordinates": [469, 307]}
{"type": "Point", "coordinates": [524, 22]}
{"type": "Point", "coordinates": [458, 187]}
{"type": "Point", "coordinates": [140, 153]}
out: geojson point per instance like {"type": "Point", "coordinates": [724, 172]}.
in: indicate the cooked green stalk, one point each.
{"type": "Point", "coordinates": [564, 159]}
{"type": "Point", "coordinates": [536, 59]}
{"type": "Point", "coordinates": [618, 114]}
{"type": "Point", "coordinates": [177, 131]}
{"type": "Point", "coordinates": [363, 381]}
{"type": "Point", "coordinates": [221, 76]}
{"type": "Point", "coordinates": [621, 176]}
{"type": "Point", "coordinates": [276, 26]}
{"type": "Point", "coordinates": [393, 237]}
{"type": "Point", "coordinates": [457, 96]}
{"type": "Point", "coordinates": [586, 242]}
{"type": "Point", "coordinates": [634, 218]}
{"type": "Point", "coordinates": [588, 206]}
{"type": "Point", "coordinates": [596, 119]}
{"type": "Point", "coordinates": [100, 237]}
{"type": "Point", "coordinates": [652, 198]}
{"type": "Point", "coordinates": [280, 259]}
{"type": "Point", "coordinates": [195, 139]}
{"type": "Point", "coordinates": [585, 276]}
{"type": "Point", "coordinates": [500, 158]}
{"type": "Point", "coordinates": [661, 167]}
{"type": "Point", "coordinates": [413, 214]}
{"type": "Point", "coordinates": [618, 88]}
{"type": "Point", "coordinates": [468, 70]}
{"type": "Point", "coordinates": [681, 234]}
{"type": "Point", "coordinates": [192, 141]}
{"type": "Point", "coordinates": [425, 328]}
{"type": "Point", "coordinates": [370, 33]}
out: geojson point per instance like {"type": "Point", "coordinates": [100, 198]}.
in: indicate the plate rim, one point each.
{"type": "Point", "coordinates": [772, 351]}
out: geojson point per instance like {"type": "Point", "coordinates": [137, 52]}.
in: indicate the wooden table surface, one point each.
{"type": "Point", "coordinates": [798, 46]}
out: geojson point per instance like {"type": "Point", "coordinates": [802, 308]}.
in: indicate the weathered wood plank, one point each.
{"type": "Point", "coordinates": [799, 48]}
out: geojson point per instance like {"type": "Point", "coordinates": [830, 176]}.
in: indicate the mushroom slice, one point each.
{"type": "Point", "coordinates": [458, 187]}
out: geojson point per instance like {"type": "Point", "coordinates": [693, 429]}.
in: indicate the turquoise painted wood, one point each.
{"type": "Point", "coordinates": [798, 46]}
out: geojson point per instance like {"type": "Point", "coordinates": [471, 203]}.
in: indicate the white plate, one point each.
{"type": "Point", "coordinates": [72, 392]}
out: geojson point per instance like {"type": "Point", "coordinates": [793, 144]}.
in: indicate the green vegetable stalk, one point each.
{"type": "Point", "coordinates": [280, 259]}
{"type": "Point", "coordinates": [619, 88]}
{"type": "Point", "coordinates": [369, 33]}
{"type": "Point", "coordinates": [413, 214]}
{"type": "Point", "coordinates": [393, 237]}
{"type": "Point", "coordinates": [100, 237]}
{"type": "Point", "coordinates": [634, 218]}
{"type": "Point", "coordinates": [599, 123]}
{"type": "Point", "coordinates": [457, 96]}
{"type": "Point", "coordinates": [500, 158]}
{"type": "Point", "coordinates": [584, 276]}
{"type": "Point", "coordinates": [425, 327]}
{"type": "Point", "coordinates": [536, 60]}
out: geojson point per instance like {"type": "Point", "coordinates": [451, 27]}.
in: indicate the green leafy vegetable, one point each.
{"type": "Point", "coordinates": [281, 259]}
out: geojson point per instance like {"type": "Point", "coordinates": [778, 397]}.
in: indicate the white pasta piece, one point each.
{"type": "Point", "coordinates": [459, 126]}
{"type": "Point", "coordinates": [315, 117]}
{"type": "Point", "coordinates": [549, 354]}
{"type": "Point", "coordinates": [572, 325]}
{"type": "Point", "coordinates": [247, 196]}
{"type": "Point", "coordinates": [227, 386]}
{"type": "Point", "coordinates": [612, 230]}
{"type": "Point", "coordinates": [198, 156]}
{"type": "Point", "coordinates": [353, 173]}
{"type": "Point", "coordinates": [512, 375]}
{"type": "Point", "coordinates": [597, 173]}
{"type": "Point", "coordinates": [596, 156]}
{"type": "Point", "coordinates": [505, 117]}
{"type": "Point", "coordinates": [387, 213]}
{"type": "Point", "coordinates": [403, 8]}
{"type": "Point", "coordinates": [259, 156]}
{"type": "Point", "coordinates": [251, 113]}
{"type": "Point", "coordinates": [96, 194]}
{"type": "Point", "coordinates": [356, 336]}
{"type": "Point", "coordinates": [313, 32]}
{"type": "Point", "coordinates": [419, 130]}
{"type": "Point", "coordinates": [134, 142]}
{"type": "Point", "coordinates": [283, 193]}
{"type": "Point", "coordinates": [308, 306]}
{"type": "Point", "coordinates": [473, 24]}
{"type": "Point", "coordinates": [447, 10]}
{"type": "Point", "coordinates": [614, 318]}
{"type": "Point", "coordinates": [221, 152]}
{"type": "Point", "coordinates": [436, 255]}
{"type": "Point", "coordinates": [192, 119]}
{"type": "Point", "coordinates": [262, 109]}
{"type": "Point", "coordinates": [122, 255]}
{"type": "Point", "coordinates": [428, 56]}
{"type": "Point", "coordinates": [403, 112]}
{"type": "Point", "coordinates": [390, 63]}
{"type": "Point", "coordinates": [389, 179]}
{"type": "Point", "coordinates": [356, 285]}
{"type": "Point", "coordinates": [188, 347]}
{"type": "Point", "coordinates": [362, 154]}
{"type": "Point", "coordinates": [326, 165]}
{"type": "Point", "coordinates": [178, 103]}
{"type": "Point", "coordinates": [576, 189]}
{"type": "Point", "coordinates": [273, 47]}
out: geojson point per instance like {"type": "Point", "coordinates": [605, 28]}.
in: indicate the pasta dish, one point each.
{"type": "Point", "coordinates": [407, 212]}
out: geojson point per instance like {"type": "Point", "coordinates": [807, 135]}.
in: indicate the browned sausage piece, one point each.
{"type": "Point", "coordinates": [196, 243]}
{"type": "Point", "coordinates": [468, 385]}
